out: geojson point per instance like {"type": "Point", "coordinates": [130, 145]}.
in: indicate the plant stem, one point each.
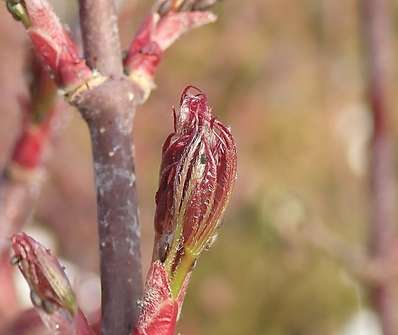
{"type": "Point", "coordinates": [184, 268]}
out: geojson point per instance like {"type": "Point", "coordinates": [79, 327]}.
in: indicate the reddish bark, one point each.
{"type": "Point", "coordinates": [377, 35]}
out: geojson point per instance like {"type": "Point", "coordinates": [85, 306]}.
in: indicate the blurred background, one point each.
{"type": "Point", "coordinates": [288, 77]}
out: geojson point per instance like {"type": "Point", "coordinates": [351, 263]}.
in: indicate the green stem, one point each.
{"type": "Point", "coordinates": [181, 273]}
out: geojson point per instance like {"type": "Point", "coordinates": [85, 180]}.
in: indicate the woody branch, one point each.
{"type": "Point", "coordinates": [107, 100]}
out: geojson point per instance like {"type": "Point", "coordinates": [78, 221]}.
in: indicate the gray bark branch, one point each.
{"type": "Point", "coordinates": [109, 110]}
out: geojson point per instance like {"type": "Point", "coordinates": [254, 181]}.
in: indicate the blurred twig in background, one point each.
{"type": "Point", "coordinates": [376, 24]}
{"type": "Point", "coordinates": [368, 270]}
{"type": "Point", "coordinates": [26, 322]}
{"type": "Point", "coordinates": [376, 267]}
{"type": "Point", "coordinates": [23, 174]}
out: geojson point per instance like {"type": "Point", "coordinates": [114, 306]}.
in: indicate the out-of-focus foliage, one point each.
{"type": "Point", "coordinates": [287, 76]}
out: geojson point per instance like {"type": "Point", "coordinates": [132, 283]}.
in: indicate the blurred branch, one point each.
{"type": "Point", "coordinates": [27, 322]}
{"type": "Point", "coordinates": [22, 178]}
{"type": "Point", "coordinates": [353, 258]}
{"type": "Point", "coordinates": [376, 24]}
{"type": "Point", "coordinates": [317, 235]}
{"type": "Point", "coordinates": [8, 301]}
{"type": "Point", "coordinates": [23, 175]}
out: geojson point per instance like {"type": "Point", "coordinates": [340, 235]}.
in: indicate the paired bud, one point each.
{"type": "Point", "coordinates": [51, 41]}
{"type": "Point", "coordinates": [156, 34]}
{"type": "Point", "coordinates": [50, 288]}
{"type": "Point", "coordinates": [197, 174]}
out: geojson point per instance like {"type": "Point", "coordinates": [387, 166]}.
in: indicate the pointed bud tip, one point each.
{"type": "Point", "coordinates": [197, 175]}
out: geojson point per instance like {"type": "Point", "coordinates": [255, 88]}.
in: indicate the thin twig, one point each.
{"type": "Point", "coordinates": [23, 175]}
{"type": "Point", "coordinates": [21, 180]}
{"type": "Point", "coordinates": [101, 36]}
{"type": "Point", "coordinates": [351, 257]}
{"type": "Point", "coordinates": [377, 36]}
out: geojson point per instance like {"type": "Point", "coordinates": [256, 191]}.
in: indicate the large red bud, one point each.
{"type": "Point", "coordinates": [198, 171]}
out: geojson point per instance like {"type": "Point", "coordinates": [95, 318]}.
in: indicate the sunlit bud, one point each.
{"type": "Point", "coordinates": [197, 174]}
{"type": "Point", "coordinates": [157, 33]}
{"type": "Point", "coordinates": [52, 43]}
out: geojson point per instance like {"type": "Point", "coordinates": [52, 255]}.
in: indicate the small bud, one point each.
{"type": "Point", "coordinates": [156, 34]}
{"type": "Point", "coordinates": [197, 174]}
{"type": "Point", "coordinates": [50, 288]}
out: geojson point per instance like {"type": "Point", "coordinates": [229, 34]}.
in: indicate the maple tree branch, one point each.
{"type": "Point", "coordinates": [109, 110]}
{"type": "Point", "coordinates": [107, 100]}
